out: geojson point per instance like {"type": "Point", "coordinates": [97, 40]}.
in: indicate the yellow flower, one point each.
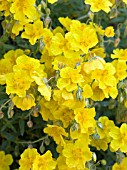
{"type": "Point", "coordinates": [44, 162]}
{"type": "Point", "coordinates": [109, 31]}
{"type": "Point", "coordinates": [98, 94]}
{"type": "Point", "coordinates": [52, 1]}
{"type": "Point", "coordinates": [121, 54]}
{"type": "Point", "coordinates": [58, 29]}
{"type": "Point", "coordinates": [5, 68]}
{"type": "Point", "coordinates": [111, 91]}
{"type": "Point", "coordinates": [97, 5]}
{"type": "Point", "coordinates": [85, 118]}
{"type": "Point", "coordinates": [112, 1]}
{"type": "Point", "coordinates": [5, 161]}
{"type": "Point", "coordinates": [47, 60]}
{"type": "Point", "coordinates": [65, 115]}
{"type": "Point", "coordinates": [77, 27]}
{"type": "Point", "coordinates": [61, 163]}
{"type": "Point", "coordinates": [45, 91]}
{"type": "Point", "coordinates": [98, 28]}
{"type": "Point", "coordinates": [88, 41]}
{"type": "Point", "coordinates": [27, 64]}
{"type": "Point", "coordinates": [77, 153]}
{"type": "Point", "coordinates": [121, 69]}
{"type": "Point", "coordinates": [47, 109]}
{"type": "Point", "coordinates": [69, 79]}
{"type": "Point", "coordinates": [59, 44]}
{"type": "Point", "coordinates": [75, 131]}
{"type": "Point", "coordinates": [17, 83]}
{"type": "Point", "coordinates": [12, 55]}
{"type": "Point", "coordinates": [96, 63]}
{"type": "Point", "coordinates": [121, 166]}
{"type": "Point", "coordinates": [47, 38]}
{"type": "Point", "coordinates": [24, 103]}
{"type": "Point", "coordinates": [7, 63]}
{"type": "Point", "coordinates": [32, 33]}
{"type": "Point", "coordinates": [56, 132]}
{"type": "Point", "coordinates": [71, 73]}
{"type": "Point", "coordinates": [105, 127]}
{"type": "Point", "coordinates": [105, 77]}
{"type": "Point", "coordinates": [61, 61]}
{"type": "Point", "coordinates": [119, 136]}
{"type": "Point", "coordinates": [17, 27]}
{"type": "Point", "coordinates": [87, 91]}
{"type": "Point", "coordinates": [96, 52]}
{"type": "Point", "coordinates": [24, 8]}
{"type": "Point", "coordinates": [66, 95]}
{"type": "Point", "coordinates": [43, 87]}
{"type": "Point", "coordinates": [27, 159]}
{"type": "Point", "coordinates": [71, 103]}
{"type": "Point", "coordinates": [66, 22]}
{"type": "Point", "coordinates": [100, 143]}
{"type": "Point", "coordinates": [5, 6]}
{"type": "Point", "coordinates": [62, 83]}
{"type": "Point", "coordinates": [125, 1]}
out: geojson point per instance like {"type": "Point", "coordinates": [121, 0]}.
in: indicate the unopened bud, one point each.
{"type": "Point", "coordinates": [74, 127]}
{"type": "Point", "coordinates": [8, 27]}
{"type": "Point", "coordinates": [1, 114]}
{"type": "Point", "coordinates": [79, 94]}
{"type": "Point", "coordinates": [99, 124]}
{"type": "Point", "coordinates": [27, 51]}
{"type": "Point", "coordinates": [95, 136]}
{"type": "Point", "coordinates": [121, 98]}
{"type": "Point", "coordinates": [47, 21]}
{"type": "Point", "coordinates": [36, 111]}
{"type": "Point", "coordinates": [35, 114]}
{"type": "Point", "coordinates": [10, 113]}
{"type": "Point", "coordinates": [47, 141]}
{"type": "Point", "coordinates": [91, 15]}
{"type": "Point", "coordinates": [30, 146]}
{"type": "Point", "coordinates": [30, 124]}
{"type": "Point", "coordinates": [42, 148]}
{"type": "Point", "coordinates": [43, 4]}
{"type": "Point", "coordinates": [103, 162]}
{"type": "Point", "coordinates": [47, 11]}
{"type": "Point", "coordinates": [94, 156]}
{"type": "Point", "coordinates": [117, 41]}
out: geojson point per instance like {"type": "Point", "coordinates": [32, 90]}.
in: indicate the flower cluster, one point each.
{"type": "Point", "coordinates": [71, 74]}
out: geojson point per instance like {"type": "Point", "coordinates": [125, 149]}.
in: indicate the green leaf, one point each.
{"type": "Point", "coordinates": [9, 136]}
{"type": "Point", "coordinates": [21, 127]}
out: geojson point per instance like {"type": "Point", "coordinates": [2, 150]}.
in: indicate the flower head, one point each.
{"type": "Point", "coordinates": [56, 132]}
{"type": "Point", "coordinates": [27, 159]}
{"type": "Point", "coordinates": [97, 5]}
{"type": "Point", "coordinates": [44, 162]}
{"type": "Point", "coordinates": [5, 161]}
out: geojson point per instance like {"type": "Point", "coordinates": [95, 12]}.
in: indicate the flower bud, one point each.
{"type": "Point", "coordinates": [79, 94]}
{"type": "Point", "coordinates": [30, 124]}
{"type": "Point", "coordinates": [47, 21]}
{"type": "Point", "coordinates": [117, 41]}
{"type": "Point", "coordinates": [30, 146]}
{"type": "Point", "coordinates": [47, 141]}
{"type": "Point", "coordinates": [1, 114]}
{"type": "Point", "coordinates": [94, 156]}
{"type": "Point", "coordinates": [103, 162]}
{"type": "Point", "coordinates": [91, 15]}
{"type": "Point", "coordinates": [10, 113]}
{"type": "Point", "coordinates": [99, 124]}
